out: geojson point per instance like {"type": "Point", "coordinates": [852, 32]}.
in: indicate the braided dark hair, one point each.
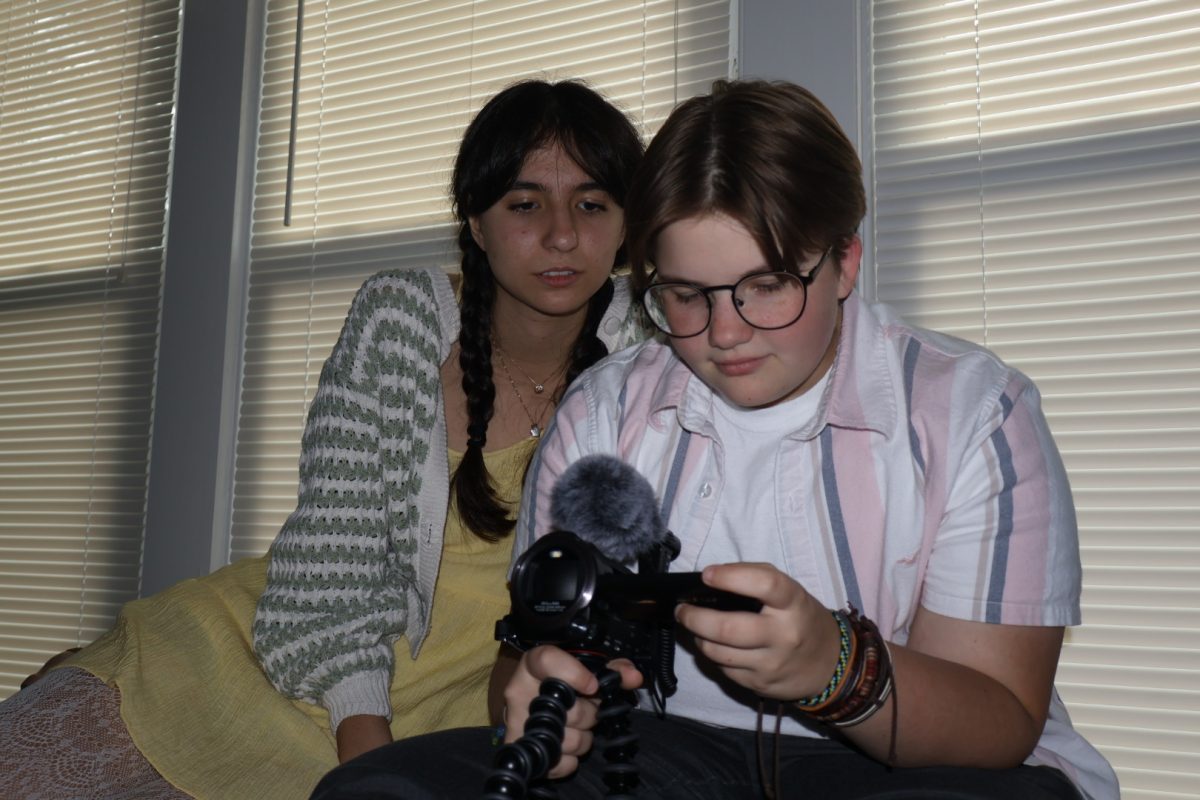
{"type": "Point", "coordinates": [519, 120]}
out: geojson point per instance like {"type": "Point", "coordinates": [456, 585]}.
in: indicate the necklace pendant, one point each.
{"type": "Point", "coordinates": [538, 388]}
{"type": "Point", "coordinates": [535, 430]}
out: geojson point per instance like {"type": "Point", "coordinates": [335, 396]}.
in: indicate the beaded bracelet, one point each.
{"type": "Point", "coordinates": [875, 703]}
{"type": "Point", "coordinates": [859, 694]}
{"type": "Point", "coordinates": [845, 657]}
{"type": "Point", "coordinates": [868, 694]}
{"type": "Point", "coordinates": [862, 683]}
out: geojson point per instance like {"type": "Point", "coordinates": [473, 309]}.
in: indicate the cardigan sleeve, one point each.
{"type": "Point", "coordinates": [341, 582]}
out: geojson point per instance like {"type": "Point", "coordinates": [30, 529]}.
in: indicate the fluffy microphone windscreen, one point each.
{"type": "Point", "coordinates": [608, 503]}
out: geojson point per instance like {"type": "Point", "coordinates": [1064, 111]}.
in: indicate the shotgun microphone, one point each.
{"type": "Point", "coordinates": [609, 504]}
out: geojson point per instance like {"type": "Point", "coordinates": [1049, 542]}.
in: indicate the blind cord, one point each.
{"type": "Point", "coordinates": [291, 155]}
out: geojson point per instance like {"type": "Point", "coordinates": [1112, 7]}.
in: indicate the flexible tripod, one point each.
{"type": "Point", "coordinates": [522, 764]}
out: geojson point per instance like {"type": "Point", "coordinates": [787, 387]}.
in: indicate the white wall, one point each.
{"type": "Point", "coordinates": [814, 43]}
{"type": "Point", "coordinates": [203, 292]}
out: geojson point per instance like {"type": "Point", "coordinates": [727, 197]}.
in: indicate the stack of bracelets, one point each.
{"type": "Point", "coordinates": [862, 679]}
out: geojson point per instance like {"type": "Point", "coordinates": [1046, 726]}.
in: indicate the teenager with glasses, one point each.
{"type": "Point", "coordinates": [891, 495]}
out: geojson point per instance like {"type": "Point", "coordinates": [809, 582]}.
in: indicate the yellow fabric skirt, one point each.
{"type": "Point", "coordinates": [201, 710]}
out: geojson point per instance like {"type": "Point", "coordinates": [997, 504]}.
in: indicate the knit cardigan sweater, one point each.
{"type": "Point", "coordinates": [354, 566]}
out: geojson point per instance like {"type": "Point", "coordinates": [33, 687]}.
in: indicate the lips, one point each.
{"type": "Point", "coordinates": [741, 366]}
{"type": "Point", "coordinates": [558, 277]}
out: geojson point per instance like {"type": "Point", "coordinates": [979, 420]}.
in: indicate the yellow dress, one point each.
{"type": "Point", "coordinates": [200, 709]}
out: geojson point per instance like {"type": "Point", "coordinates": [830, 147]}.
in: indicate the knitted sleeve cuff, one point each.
{"type": "Point", "coordinates": [361, 693]}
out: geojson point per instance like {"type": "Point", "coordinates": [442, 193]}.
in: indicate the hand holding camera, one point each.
{"type": "Point", "coordinates": [573, 590]}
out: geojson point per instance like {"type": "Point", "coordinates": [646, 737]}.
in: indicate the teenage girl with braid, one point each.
{"type": "Point", "coordinates": [256, 680]}
{"type": "Point", "coordinates": [891, 495]}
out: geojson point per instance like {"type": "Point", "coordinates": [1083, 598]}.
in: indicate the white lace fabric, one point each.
{"type": "Point", "coordinates": [64, 740]}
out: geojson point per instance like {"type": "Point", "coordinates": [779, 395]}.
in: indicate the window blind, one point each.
{"type": "Point", "coordinates": [385, 92]}
{"type": "Point", "coordinates": [1036, 181]}
{"type": "Point", "coordinates": [86, 94]}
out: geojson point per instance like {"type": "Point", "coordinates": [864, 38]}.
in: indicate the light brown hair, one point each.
{"type": "Point", "coordinates": [768, 155]}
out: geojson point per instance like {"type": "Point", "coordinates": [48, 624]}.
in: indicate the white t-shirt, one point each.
{"type": "Point", "coordinates": [747, 527]}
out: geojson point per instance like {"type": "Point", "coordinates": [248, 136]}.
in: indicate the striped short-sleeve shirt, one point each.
{"type": "Point", "coordinates": [927, 477]}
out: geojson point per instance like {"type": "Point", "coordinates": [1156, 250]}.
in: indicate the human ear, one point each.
{"type": "Point", "coordinates": [848, 267]}
{"type": "Point", "coordinates": [477, 232]}
{"type": "Point", "coordinates": [621, 257]}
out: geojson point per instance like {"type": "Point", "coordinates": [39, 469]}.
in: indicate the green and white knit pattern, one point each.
{"type": "Point", "coordinates": [342, 585]}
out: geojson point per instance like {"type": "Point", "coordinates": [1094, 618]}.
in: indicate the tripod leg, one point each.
{"type": "Point", "coordinates": [521, 765]}
{"type": "Point", "coordinates": [619, 743]}
{"type": "Point", "coordinates": [525, 761]}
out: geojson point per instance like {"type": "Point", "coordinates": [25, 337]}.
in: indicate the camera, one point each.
{"type": "Point", "coordinates": [567, 593]}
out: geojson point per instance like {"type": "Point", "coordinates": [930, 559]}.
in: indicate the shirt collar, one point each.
{"type": "Point", "coordinates": [859, 395]}
{"type": "Point", "coordinates": [862, 394]}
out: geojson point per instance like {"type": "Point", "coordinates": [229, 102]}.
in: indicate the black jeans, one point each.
{"type": "Point", "coordinates": [684, 760]}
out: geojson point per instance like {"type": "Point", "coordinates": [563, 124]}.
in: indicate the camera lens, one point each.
{"type": "Point", "coordinates": [553, 581]}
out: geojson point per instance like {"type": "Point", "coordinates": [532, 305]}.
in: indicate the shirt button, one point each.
{"type": "Point", "coordinates": [705, 490]}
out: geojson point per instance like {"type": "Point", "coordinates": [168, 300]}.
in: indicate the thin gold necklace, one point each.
{"type": "Point", "coordinates": [538, 386]}
{"type": "Point", "coordinates": [535, 427]}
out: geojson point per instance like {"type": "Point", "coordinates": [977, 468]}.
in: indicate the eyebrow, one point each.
{"type": "Point", "coordinates": [534, 186]}
{"type": "Point", "coordinates": [759, 270]}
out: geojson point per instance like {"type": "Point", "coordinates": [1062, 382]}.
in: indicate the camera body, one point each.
{"type": "Point", "coordinates": [567, 593]}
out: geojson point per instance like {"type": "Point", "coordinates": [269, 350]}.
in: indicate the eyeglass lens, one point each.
{"type": "Point", "coordinates": [768, 300]}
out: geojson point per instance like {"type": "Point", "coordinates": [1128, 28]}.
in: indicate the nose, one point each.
{"type": "Point", "coordinates": [726, 328]}
{"type": "Point", "coordinates": [561, 233]}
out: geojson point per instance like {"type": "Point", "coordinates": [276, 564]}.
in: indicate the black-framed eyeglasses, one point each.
{"type": "Point", "coordinates": [765, 300]}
